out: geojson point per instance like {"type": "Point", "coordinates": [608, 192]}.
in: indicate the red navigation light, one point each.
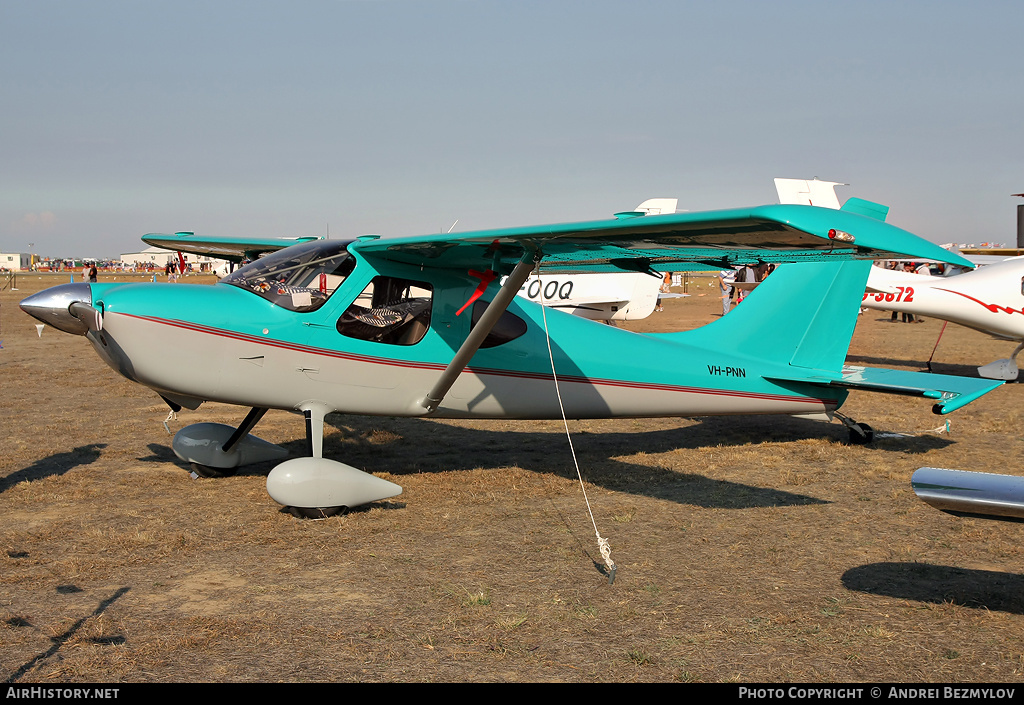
{"type": "Point", "coordinates": [839, 235]}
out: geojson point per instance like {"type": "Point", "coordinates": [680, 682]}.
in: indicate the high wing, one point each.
{"type": "Point", "coordinates": [662, 243]}
{"type": "Point", "coordinates": [630, 242]}
{"type": "Point", "coordinates": [233, 250]}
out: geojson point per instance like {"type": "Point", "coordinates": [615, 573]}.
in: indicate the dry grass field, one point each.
{"type": "Point", "coordinates": [748, 548]}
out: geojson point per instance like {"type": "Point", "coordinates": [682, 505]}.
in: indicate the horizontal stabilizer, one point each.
{"type": "Point", "coordinates": [949, 392]}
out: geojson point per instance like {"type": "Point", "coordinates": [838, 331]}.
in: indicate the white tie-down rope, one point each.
{"type": "Point", "coordinates": [602, 543]}
{"type": "Point", "coordinates": [944, 428]}
{"type": "Point", "coordinates": [172, 416]}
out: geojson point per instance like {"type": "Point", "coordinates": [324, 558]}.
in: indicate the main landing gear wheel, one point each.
{"type": "Point", "coordinates": [207, 471]}
{"type": "Point", "coordinates": [317, 512]}
{"type": "Point", "coordinates": [316, 487]}
{"type": "Point", "coordinates": [861, 434]}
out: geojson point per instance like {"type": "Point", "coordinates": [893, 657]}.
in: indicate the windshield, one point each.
{"type": "Point", "coordinates": [299, 278]}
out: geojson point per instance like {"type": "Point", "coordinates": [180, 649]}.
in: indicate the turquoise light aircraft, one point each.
{"type": "Point", "coordinates": [424, 326]}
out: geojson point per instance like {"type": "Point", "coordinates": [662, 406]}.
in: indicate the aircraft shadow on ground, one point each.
{"type": "Point", "coordinates": [161, 454]}
{"type": "Point", "coordinates": [446, 447]}
{"type": "Point", "coordinates": [453, 448]}
{"type": "Point", "coordinates": [58, 641]}
{"type": "Point", "coordinates": [53, 465]}
{"type": "Point", "coordinates": [939, 584]}
{"type": "Point", "coordinates": [684, 488]}
{"type": "Point", "coordinates": [403, 446]}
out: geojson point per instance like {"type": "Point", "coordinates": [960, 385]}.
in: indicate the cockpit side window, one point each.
{"type": "Point", "coordinates": [299, 278]}
{"type": "Point", "coordinates": [509, 326]}
{"type": "Point", "coordinates": [390, 310]}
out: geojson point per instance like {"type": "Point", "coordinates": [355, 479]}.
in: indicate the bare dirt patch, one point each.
{"type": "Point", "coordinates": [748, 548]}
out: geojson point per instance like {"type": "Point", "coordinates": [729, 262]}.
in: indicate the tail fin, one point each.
{"type": "Point", "coordinates": [814, 192]}
{"type": "Point", "coordinates": [808, 192]}
{"type": "Point", "coordinates": [658, 206]}
{"type": "Point", "coordinates": [801, 315]}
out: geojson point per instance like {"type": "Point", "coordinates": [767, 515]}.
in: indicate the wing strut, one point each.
{"type": "Point", "coordinates": [480, 331]}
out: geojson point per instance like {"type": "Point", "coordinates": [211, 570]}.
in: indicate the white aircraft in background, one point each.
{"type": "Point", "coordinates": [808, 192]}
{"type": "Point", "coordinates": [989, 299]}
{"type": "Point", "coordinates": [625, 296]}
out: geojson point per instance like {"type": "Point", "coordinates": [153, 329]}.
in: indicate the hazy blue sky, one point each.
{"type": "Point", "coordinates": [399, 117]}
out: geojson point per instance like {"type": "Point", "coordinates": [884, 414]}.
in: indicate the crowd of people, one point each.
{"type": "Point", "coordinates": [908, 268]}
{"type": "Point", "coordinates": [90, 270]}
{"type": "Point", "coordinates": [736, 283]}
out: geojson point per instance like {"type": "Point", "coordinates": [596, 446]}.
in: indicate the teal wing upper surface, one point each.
{"type": "Point", "coordinates": [660, 243]}
{"type": "Point", "coordinates": [676, 242]}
